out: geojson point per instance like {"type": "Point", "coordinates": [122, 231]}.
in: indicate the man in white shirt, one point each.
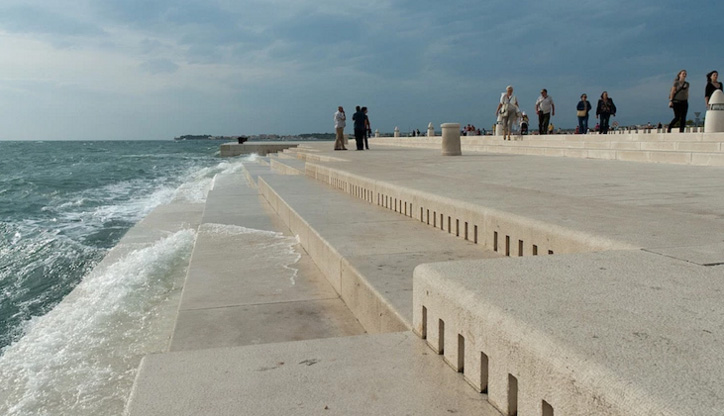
{"type": "Point", "coordinates": [339, 123]}
{"type": "Point", "coordinates": [545, 108]}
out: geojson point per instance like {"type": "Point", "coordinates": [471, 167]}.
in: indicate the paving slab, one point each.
{"type": "Point", "coordinates": [384, 374]}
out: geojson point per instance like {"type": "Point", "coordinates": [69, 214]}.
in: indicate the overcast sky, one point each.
{"type": "Point", "coordinates": [147, 69]}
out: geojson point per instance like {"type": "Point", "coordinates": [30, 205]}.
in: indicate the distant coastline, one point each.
{"type": "Point", "coordinates": [262, 137]}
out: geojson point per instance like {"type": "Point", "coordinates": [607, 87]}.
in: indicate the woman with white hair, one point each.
{"type": "Point", "coordinates": [507, 110]}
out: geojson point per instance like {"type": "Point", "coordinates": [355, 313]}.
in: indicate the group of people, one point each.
{"type": "Point", "coordinates": [508, 110]}
{"type": "Point", "coordinates": [362, 129]}
{"type": "Point", "coordinates": [604, 110]}
{"type": "Point", "coordinates": [679, 96]}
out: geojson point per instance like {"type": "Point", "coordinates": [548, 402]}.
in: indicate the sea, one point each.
{"type": "Point", "coordinates": [71, 337]}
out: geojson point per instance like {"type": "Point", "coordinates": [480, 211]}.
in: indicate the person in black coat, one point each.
{"type": "Point", "coordinates": [605, 109]}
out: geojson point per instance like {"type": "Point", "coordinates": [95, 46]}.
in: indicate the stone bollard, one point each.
{"type": "Point", "coordinates": [451, 139]}
{"type": "Point", "coordinates": [377, 133]}
{"type": "Point", "coordinates": [714, 121]}
{"type": "Point", "coordinates": [397, 131]}
{"type": "Point", "coordinates": [430, 130]}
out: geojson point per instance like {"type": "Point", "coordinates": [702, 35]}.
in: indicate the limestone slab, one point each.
{"type": "Point", "coordinates": [390, 374]}
{"type": "Point", "coordinates": [619, 325]}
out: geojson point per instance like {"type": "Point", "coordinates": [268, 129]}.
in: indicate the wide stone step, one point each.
{"type": "Point", "coordinates": [383, 374]}
{"type": "Point", "coordinates": [699, 149]}
{"type": "Point", "coordinates": [615, 333]}
{"type": "Point", "coordinates": [249, 282]}
{"type": "Point", "coordinates": [290, 166]}
{"type": "Point", "coordinates": [366, 252]}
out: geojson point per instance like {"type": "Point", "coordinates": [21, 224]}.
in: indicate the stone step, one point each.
{"type": "Point", "coordinates": [383, 374]}
{"type": "Point", "coordinates": [249, 282]}
{"type": "Point", "coordinates": [615, 333]}
{"type": "Point", "coordinates": [701, 152]}
{"type": "Point", "coordinates": [537, 206]}
{"type": "Point", "coordinates": [366, 252]}
{"type": "Point", "coordinates": [288, 166]}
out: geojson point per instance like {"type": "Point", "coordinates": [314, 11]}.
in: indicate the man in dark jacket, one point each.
{"type": "Point", "coordinates": [360, 127]}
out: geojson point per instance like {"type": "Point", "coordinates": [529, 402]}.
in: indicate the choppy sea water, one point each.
{"type": "Point", "coordinates": [63, 206]}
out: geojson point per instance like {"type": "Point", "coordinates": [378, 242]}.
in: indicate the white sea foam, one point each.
{"type": "Point", "coordinates": [81, 357]}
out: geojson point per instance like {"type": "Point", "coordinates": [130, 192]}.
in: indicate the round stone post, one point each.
{"type": "Point", "coordinates": [451, 139]}
{"type": "Point", "coordinates": [377, 132]}
{"type": "Point", "coordinates": [714, 121]}
{"type": "Point", "coordinates": [430, 130]}
{"type": "Point", "coordinates": [397, 131]}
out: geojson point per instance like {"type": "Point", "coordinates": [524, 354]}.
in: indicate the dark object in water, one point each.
{"type": "Point", "coordinates": [242, 139]}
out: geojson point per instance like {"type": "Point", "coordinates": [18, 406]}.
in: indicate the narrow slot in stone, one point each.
{"type": "Point", "coordinates": [424, 323]}
{"type": "Point", "coordinates": [483, 372]}
{"type": "Point", "coordinates": [461, 354]}
{"type": "Point", "coordinates": [440, 336]}
{"type": "Point", "coordinates": [512, 395]}
{"type": "Point", "coordinates": [428, 217]}
{"type": "Point", "coordinates": [507, 245]}
{"type": "Point", "coordinates": [520, 248]}
{"type": "Point", "coordinates": [495, 241]}
{"type": "Point", "coordinates": [547, 409]}
{"type": "Point", "coordinates": [535, 250]}
{"type": "Point", "coordinates": [449, 225]}
{"type": "Point", "coordinates": [550, 251]}
{"type": "Point", "coordinates": [466, 230]}
{"type": "Point", "coordinates": [434, 219]}
{"type": "Point", "coordinates": [475, 235]}
{"type": "Point", "coordinates": [457, 227]}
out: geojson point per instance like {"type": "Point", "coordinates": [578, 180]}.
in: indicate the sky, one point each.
{"type": "Point", "coordinates": [157, 69]}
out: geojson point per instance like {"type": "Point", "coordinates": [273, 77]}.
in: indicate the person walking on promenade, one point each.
{"type": "Point", "coordinates": [679, 100]}
{"type": "Point", "coordinates": [582, 109]}
{"type": "Point", "coordinates": [712, 84]}
{"type": "Point", "coordinates": [339, 123]}
{"type": "Point", "coordinates": [359, 127]}
{"type": "Point", "coordinates": [605, 109]}
{"type": "Point", "coordinates": [368, 128]}
{"type": "Point", "coordinates": [507, 110]}
{"type": "Point", "coordinates": [545, 108]}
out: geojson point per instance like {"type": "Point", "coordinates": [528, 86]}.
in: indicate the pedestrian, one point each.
{"type": "Point", "coordinates": [545, 108]}
{"type": "Point", "coordinates": [604, 110]}
{"type": "Point", "coordinates": [712, 84]}
{"type": "Point", "coordinates": [507, 111]}
{"type": "Point", "coordinates": [582, 109]}
{"type": "Point", "coordinates": [339, 123]}
{"type": "Point", "coordinates": [524, 123]}
{"type": "Point", "coordinates": [360, 127]}
{"type": "Point", "coordinates": [679, 100]}
{"type": "Point", "coordinates": [368, 128]}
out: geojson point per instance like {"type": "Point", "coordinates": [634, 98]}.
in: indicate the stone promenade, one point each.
{"type": "Point", "coordinates": [486, 283]}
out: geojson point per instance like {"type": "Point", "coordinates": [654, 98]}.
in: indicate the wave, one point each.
{"type": "Point", "coordinates": [81, 357]}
